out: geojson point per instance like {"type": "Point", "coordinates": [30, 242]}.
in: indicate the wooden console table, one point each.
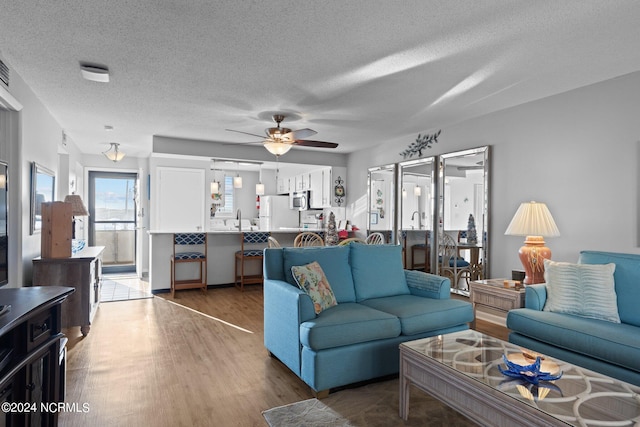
{"type": "Point", "coordinates": [31, 369]}
{"type": "Point", "coordinates": [83, 271]}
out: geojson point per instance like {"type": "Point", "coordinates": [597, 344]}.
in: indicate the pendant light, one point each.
{"type": "Point", "coordinates": [215, 186]}
{"type": "Point", "coordinates": [260, 185]}
{"type": "Point", "coordinates": [237, 180]}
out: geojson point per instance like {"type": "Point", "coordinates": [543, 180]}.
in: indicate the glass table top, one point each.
{"type": "Point", "coordinates": [580, 397]}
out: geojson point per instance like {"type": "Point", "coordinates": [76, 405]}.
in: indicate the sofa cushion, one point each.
{"type": "Point", "coordinates": [311, 279]}
{"type": "Point", "coordinates": [581, 289]}
{"type": "Point", "coordinates": [377, 271]}
{"type": "Point", "coordinates": [616, 343]}
{"type": "Point", "coordinates": [348, 323]}
{"type": "Point", "coordinates": [627, 281]}
{"type": "Point", "coordinates": [418, 315]}
{"type": "Point", "coordinates": [334, 261]}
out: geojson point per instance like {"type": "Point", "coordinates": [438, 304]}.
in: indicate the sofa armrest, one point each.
{"type": "Point", "coordinates": [285, 308]}
{"type": "Point", "coordinates": [535, 296]}
{"type": "Point", "coordinates": [428, 285]}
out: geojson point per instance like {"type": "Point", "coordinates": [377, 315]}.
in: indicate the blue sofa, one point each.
{"type": "Point", "coordinates": [609, 348]}
{"type": "Point", "coordinates": [379, 306]}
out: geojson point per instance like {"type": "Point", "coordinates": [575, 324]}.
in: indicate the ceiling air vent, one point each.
{"type": "Point", "coordinates": [4, 74]}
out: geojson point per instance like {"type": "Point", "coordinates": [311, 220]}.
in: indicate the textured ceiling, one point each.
{"type": "Point", "coordinates": [359, 72]}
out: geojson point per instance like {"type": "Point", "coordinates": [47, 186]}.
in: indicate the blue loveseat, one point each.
{"type": "Point", "coordinates": [609, 348]}
{"type": "Point", "coordinates": [379, 306]}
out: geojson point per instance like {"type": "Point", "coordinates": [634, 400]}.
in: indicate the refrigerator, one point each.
{"type": "Point", "coordinates": [275, 214]}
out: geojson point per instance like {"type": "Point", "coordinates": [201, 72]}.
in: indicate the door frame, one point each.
{"type": "Point", "coordinates": [137, 266]}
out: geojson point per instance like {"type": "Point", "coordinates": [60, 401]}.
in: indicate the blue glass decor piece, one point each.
{"type": "Point", "coordinates": [530, 373]}
{"type": "Point", "coordinates": [77, 245]}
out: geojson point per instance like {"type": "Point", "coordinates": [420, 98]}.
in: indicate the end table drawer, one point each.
{"type": "Point", "coordinates": [497, 301]}
{"type": "Point", "coordinates": [39, 329]}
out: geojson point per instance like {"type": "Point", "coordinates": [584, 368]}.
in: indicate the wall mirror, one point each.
{"type": "Point", "coordinates": [463, 217]}
{"type": "Point", "coordinates": [42, 190]}
{"type": "Point", "coordinates": [381, 200]}
{"type": "Point", "coordinates": [416, 211]}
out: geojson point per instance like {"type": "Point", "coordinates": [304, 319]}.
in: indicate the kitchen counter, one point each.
{"type": "Point", "coordinates": [222, 245]}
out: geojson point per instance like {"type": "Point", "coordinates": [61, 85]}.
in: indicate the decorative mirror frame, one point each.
{"type": "Point", "coordinates": [43, 189]}
{"type": "Point", "coordinates": [403, 232]}
{"type": "Point", "coordinates": [391, 207]}
{"type": "Point", "coordinates": [483, 237]}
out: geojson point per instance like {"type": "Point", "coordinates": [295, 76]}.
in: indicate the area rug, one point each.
{"type": "Point", "coordinates": [374, 404]}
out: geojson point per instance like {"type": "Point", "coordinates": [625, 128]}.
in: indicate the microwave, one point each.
{"type": "Point", "coordinates": [300, 200]}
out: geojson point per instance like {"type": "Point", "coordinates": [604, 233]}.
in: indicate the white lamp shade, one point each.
{"type": "Point", "coordinates": [532, 219]}
{"type": "Point", "coordinates": [260, 189]}
{"type": "Point", "coordinates": [237, 181]}
{"type": "Point", "coordinates": [277, 148]}
{"type": "Point", "coordinates": [417, 191]}
{"type": "Point", "coordinates": [113, 153]}
{"type": "Point", "coordinates": [215, 188]}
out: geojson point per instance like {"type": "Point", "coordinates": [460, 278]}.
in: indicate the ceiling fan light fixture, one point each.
{"type": "Point", "coordinates": [113, 153]}
{"type": "Point", "coordinates": [277, 148]}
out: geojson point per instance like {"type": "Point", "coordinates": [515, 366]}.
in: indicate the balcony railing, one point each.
{"type": "Point", "coordinates": [120, 246]}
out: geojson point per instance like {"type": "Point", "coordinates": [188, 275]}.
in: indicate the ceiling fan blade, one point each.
{"type": "Point", "coordinates": [244, 143]}
{"type": "Point", "coordinates": [311, 143]}
{"type": "Point", "coordinates": [246, 133]}
{"type": "Point", "coordinates": [300, 133]}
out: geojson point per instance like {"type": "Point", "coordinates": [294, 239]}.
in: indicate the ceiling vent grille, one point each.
{"type": "Point", "coordinates": [4, 74]}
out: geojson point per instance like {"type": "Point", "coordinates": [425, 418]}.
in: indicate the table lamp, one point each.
{"type": "Point", "coordinates": [534, 221]}
{"type": "Point", "coordinates": [77, 209]}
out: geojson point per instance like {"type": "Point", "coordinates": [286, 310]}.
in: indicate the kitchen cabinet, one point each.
{"type": "Point", "coordinates": [31, 344]}
{"type": "Point", "coordinates": [321, 190]}
{"type": "Point", "coordinates": [83, 271]}
{"type": "Point", "coordinates": [283, 186]}
{"type": "Point", "coordinates": [179, 199]}
{"type": "Point", "coordinates": [302, 182]}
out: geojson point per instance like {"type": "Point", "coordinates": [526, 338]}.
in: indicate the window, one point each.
{"type": "Point", "coordinates": [228, 208]}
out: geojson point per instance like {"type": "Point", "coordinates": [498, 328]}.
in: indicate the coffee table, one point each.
{"type": "Point", "coordinates": [461, 370]}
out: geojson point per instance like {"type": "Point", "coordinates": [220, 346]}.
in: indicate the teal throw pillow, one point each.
{"type": "Point", "coordinates": [311, 279]}
{"type": "Point", "coordinates": [586, 290]}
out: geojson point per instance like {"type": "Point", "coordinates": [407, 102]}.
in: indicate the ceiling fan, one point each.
{"type": "Point", "coordinates": [279, 140]}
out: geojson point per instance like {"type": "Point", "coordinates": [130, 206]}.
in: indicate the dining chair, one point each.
{"type": "Point", "coordinates": [352, 240]}
{"type": "Point", "coordinates": [308, 238]}
{"type": "Point", "coordinates": [375, 239]}
{"type": "Point", "coordinates": [273, 242]}
{"type": "Point", "coordinates": [452, 265]}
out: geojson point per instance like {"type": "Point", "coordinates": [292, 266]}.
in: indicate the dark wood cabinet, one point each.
{"type": "Point", "coordinates": [82, 271]}
{"type": "Point", "coordinates": [32, 372]}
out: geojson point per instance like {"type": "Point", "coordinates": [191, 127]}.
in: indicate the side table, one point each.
{"type": "Point", "coordinates": [492, 293]}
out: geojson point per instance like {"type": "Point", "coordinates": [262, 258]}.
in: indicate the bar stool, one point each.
{"type": "Point", "coordinates": [181, 241]}
{"type": "Point", "coordinates": [251, 238]}
{"type": "Point", "coordinates": [421, 247]}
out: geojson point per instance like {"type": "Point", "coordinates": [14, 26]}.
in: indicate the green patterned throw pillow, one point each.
{"type": "Point", "coordinates": [311, 279]}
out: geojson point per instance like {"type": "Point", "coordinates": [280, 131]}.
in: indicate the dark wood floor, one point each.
{"type": "Point", "coordinates": [196, 360]}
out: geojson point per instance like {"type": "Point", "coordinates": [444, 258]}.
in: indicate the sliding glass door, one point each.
{"type": "Point", "coordinates": [112, 219]}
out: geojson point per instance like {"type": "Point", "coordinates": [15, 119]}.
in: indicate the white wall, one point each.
{"type": "Point", "coordinates": [578, 152]}
{"type": "Point", "coordinates": [38, 139]}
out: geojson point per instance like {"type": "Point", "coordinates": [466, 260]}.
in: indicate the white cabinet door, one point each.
{"type": "Point", "coordinates": [315, 184]}
{"type": "Point", "coordinates": [180, 199]}
{"type": "Point", "coordinates": [320, 186]}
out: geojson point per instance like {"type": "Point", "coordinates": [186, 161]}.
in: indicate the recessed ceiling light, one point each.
{"type": "Point", "coordinates": [95, 73]}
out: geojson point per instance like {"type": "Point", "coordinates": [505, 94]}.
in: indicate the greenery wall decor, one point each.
{"type": "Point", "coordinates": [422, 142]}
